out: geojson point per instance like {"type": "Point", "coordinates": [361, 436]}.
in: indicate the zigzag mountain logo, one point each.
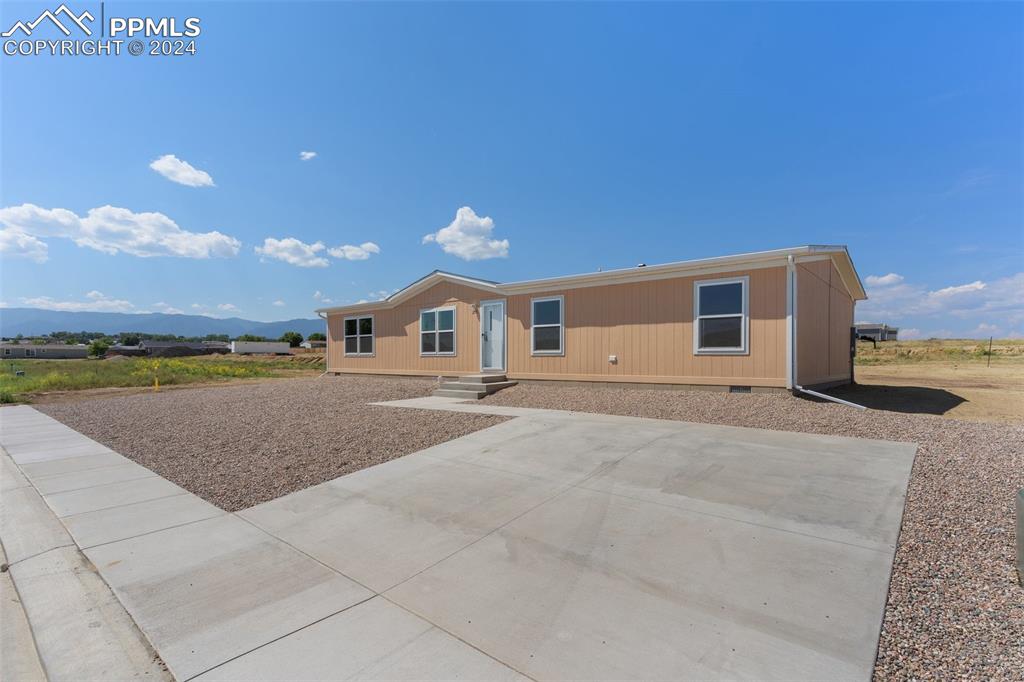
{"type": "Point", "coordinates": [77, 20]}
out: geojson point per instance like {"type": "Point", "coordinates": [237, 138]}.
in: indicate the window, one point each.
{"type": "Point", "coordinates": [720, 316]}
{"type": "Point", "coordinates": [30, 352]}
{"type": "Point", "coordinates": [7, 351]}
{"type": "Point", "coordinates": [437, 331]}
{"type": "Point", "coordinates": [547, 326]}
{"type": "Point", "coordinates": [359, 335]}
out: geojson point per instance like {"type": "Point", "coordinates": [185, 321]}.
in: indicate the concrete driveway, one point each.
{"type": "Point", "coordinates": [551, 546]}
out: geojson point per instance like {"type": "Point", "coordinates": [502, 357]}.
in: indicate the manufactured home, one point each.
{"type": "Point", "coordinates": [876, 332]}
{"type": "Point", "coordinates": [777, 319]}
{"type": "Point", "coordinates": [45, 351]}
{"type": "Point", "coordinates": [261, 347]}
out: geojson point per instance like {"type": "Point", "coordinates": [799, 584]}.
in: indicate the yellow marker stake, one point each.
{"type": "Point", "coordinates": [156, 383]}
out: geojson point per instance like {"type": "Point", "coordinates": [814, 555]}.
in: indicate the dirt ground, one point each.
{"type": "Point", "coordinates": [970, 391]}
{"type": "Point", "coordinates": [52, 397]}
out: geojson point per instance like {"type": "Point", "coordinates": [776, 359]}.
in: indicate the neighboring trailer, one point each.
{"type": "Point", "coordinates": [49, 351]}
{"type": "Point", "coordinates": [261, 347]}
{"type": "Point", "coordinates": [877, 332]}
{"type": "Point", "coordinates": [175, 349]}
{"type": "Point", "coordinates": [739, 321]}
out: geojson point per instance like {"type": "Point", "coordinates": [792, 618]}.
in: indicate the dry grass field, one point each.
{"type": "Point", "coordinates": [42, 381]}
{"type": "Point", "coordinates": [948, 377]}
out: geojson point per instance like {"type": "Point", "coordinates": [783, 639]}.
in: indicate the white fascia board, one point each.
{"type": "Point", "coordinates": [840, 255]}
{"type": "Point", "coordinates": [761, 259]}
{"type": "Point", "coordinates": [699, 267]}
{"type": "Point", "coordinates": [416, 287]}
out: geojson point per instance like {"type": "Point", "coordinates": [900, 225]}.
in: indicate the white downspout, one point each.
{"type": "Point", "coordinates": [790, 322]}
{"type": "Point", "coordinates": [327, 348]}
{"type": "Point", "coordinates": [791, 336]}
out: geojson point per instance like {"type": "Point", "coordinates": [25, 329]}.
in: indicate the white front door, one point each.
{"type": "Point", "coordinates": [492, 335]}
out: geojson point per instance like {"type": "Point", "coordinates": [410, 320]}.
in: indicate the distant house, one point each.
{"type": "Point", "coordinates": [313, 344]}
{"type": "Point", "coordinates": [46, 351]}
{"type": "Point", "coordinates": [182, 348]}
{"type": "Point", "coordinates": [261, 347]}
{"type": "Point", "coordinates": [876, 332]}
{"type": "Point", "coordinates": [118, 349]}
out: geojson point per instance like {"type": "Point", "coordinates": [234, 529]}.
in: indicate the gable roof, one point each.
{"type": "Point", "coordinates": [760, 259]}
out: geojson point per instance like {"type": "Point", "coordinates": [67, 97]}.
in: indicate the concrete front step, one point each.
{"type": "Point", "coordinates": [482, 378]}
{"type": "Point", "coordinates": [490, 387]}
{"type": "Point", "coordinates": [459, 393]}
{"type": "Point", "coordinates": [473, 386]}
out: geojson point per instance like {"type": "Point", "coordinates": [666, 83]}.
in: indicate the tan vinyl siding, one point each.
{"type": "Point", "coordinates": [824, 318]}
{"type": "Point", "coordinates": [647, 325]}
{"type": "Point", "coordinates": [397, 332]}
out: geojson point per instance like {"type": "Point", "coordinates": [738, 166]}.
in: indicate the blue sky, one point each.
{"type": "Point", "coordinates": [576, 136]}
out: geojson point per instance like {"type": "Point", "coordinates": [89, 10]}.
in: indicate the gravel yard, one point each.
{"type": "Point", "coordinates": [237, 446]}
{"type": "Point", "coordinates": [955, 608]}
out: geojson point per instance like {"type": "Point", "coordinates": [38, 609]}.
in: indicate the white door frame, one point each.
{"type": "Point", "coordinates": [504, 333]}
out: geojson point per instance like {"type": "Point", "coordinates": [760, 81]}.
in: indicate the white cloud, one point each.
{"type": "Point", "coordinates": [95, 302]}
{"type": "Point", "coordinates": [317, 295]}
{"type": "Point", "coordinates": [957, 290]}
{"type": "Point", "coordinates": [228, 307]}
{"type": "Point", "coordinates": [197, 306]}
{"type": "Point", "coordinates": [999, 302]}
{"type": "Point", "coordinates": [910, 333]}
{"type": "Point", "coordinates": [162, 307]}
{"type": "Point", "coordinates": [292, 251]}
{"type": "Point", "coordinates": [469, 237]}
{"type": "Point", "coordinates": [17, 244]}
{"type": "Point", "coordinates": [883, 280]}
{"type": "Point", "coordinates": [306, 156]}
{"type": "Point", "coordinates": [348, 252]}
{"type": "Point", "coordinates": [181, 172]}
{"type": "Point", "coordinates": [279, 303]}
{"type": "Point", "coordinates": [112, 230]}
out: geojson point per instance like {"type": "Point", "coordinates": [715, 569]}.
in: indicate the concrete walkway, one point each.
{"type": "Point", "coordinates": [550, 546]}
{"type": "Point", "coordinates": [60, 619]}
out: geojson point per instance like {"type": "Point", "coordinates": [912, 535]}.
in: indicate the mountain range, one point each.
{"type": "Point", "coordinates": [37, 322]}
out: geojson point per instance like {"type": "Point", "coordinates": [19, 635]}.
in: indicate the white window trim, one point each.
{"type": "Point", "coordinates": [744, 348]}
{"type": "Point", "coordinates": [437, 331]}
{"type": "Point", "coordinates": [561, 326]}
{"type": "Point", "coordinates": [344, 336]}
